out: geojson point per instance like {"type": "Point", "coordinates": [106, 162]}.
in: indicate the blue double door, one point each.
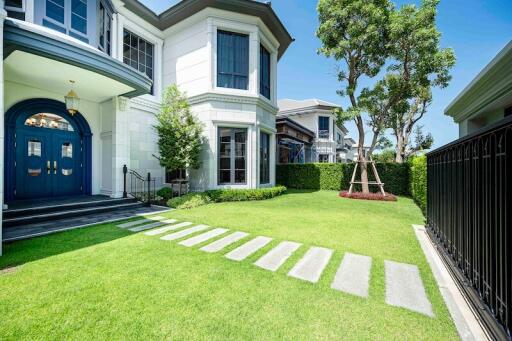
{"type": "Point", "coordinates": [48, 163]}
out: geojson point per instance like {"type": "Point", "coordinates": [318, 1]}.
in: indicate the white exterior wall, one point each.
{"type": "Point", "coordinates": [189, 55]}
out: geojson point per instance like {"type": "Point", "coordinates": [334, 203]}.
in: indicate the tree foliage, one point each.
{"type": "Point", "coordinates": [179, 132]}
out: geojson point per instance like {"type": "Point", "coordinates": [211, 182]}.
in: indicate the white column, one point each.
{"type": "Point", "coordinates": [212, 62]}
{"type": "Point", "coordinates": [3, 15]}
{"type": "Point", "coordinates": [120, 144]}
{"type": "Point", "coordinates": [254, 53]}
{"type": "Point", "coordinates": [272, 159]}
{"type": "Point", "coordinates": [273, 78]}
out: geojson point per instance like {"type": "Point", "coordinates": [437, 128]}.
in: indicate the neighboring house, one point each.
{"type": "Point", "coordinates": [294, 142]}
{"type": "Point", "coordinates": [121, 56]}
{"type": "Point", "coordinates": [469, 195]}
{"type": "Point", "coordinates": [317, 116]}
{"type": "Point", "coordinates": [488, 98]}
{"type": "Point", "coordinates": [347, 151]}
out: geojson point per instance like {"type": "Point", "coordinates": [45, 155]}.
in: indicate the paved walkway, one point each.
{"type": "Point", "coordinates": [404, 287]}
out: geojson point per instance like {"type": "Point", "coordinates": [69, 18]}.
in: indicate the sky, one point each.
{"type": "Point", "coordinates": [476, 29]}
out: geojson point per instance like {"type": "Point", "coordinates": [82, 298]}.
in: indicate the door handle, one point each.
{"type": "Point", "coordinates": [48, 167]}
{"type": "Point", "coordinates": [54, 167]}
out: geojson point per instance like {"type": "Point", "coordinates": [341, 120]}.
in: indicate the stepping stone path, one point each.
{"type": "Point", "coordinates": [244, 251]}
{"type": "Point", "coordinates": [277, 256]}
{"type": "Point", "coordinates": [167, 228]}
{"type": "Point", "coordinates": [203, 237]}
{"type": "Point", "coordinates": [151, 225]}
{"type": "Point", "coordinates": [404, 287]}
{"type": "Point", "coordinates": [353, 275]}
{"type": "Point", "coordinates": [311, 266]}
{"type": "Point", "coordinates": [224, 242]}
{"type": "Point", "coordinates": [184, 233]}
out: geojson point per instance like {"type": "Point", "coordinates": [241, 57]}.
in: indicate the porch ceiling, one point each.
{"type": "Point", "coordinates": [48, 59]}
{"type": "Point", "coordinates": [54, 76]}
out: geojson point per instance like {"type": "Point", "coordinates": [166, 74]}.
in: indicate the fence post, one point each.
{"type": "Point", "coordinates": [125, 171]}
{"type": "Point", "coordinates": [149, 190]}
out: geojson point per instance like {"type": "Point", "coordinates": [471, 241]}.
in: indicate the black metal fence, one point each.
{"type": "Point", "coordinates": [469, 215]}
{"type": "Point", "coordinates": [139, 187]}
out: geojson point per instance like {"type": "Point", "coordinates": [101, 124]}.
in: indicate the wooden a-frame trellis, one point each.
{"type": "Point", "coordinates": [377, 182]}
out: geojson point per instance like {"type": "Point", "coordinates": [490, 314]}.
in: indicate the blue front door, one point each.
{"type": "Point", "coordinates": [48, 162]}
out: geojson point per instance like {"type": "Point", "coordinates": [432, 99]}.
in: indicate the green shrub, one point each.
{"type": "Point", "coordinates": [336, 176]}
{"type": "Point", "coordinates": [165, 192]}
{"type": "Point", "coordinates": [418, 183]}
{"type": "Point", "coordinates": [225, 195]}
{"type": "Point", "coordinates": [190, 200]}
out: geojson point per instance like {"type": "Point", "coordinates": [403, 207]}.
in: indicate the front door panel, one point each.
{"type": "Point", "coordinates": [33, 157]}
{"type": "Point", "coordinates": [66, 165]}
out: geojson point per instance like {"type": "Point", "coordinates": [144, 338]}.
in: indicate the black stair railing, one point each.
{"type": "Point", "coordinates": [141, 188]}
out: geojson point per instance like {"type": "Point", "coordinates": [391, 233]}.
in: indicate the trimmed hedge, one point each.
{"type": "Point", "coordinates": [336, 176]}
{"type": "Point", "coordinates": [418, 181]}
{"type": "Point", "coordinates": [192, 200]}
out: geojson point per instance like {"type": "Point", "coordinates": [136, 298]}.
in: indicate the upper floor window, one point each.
{"type": "Point", "coordinates": [323, 127]}
{"type": "Point", "coordinates": [338, 138]}
{"type": "Point", "coordinates": [67, 16]}
{"type": "Point", "coordinates": [232, 60]}
{"type": "Point", "coordinates": [264, 72]}
{"type": "Point", "coordinates": [15, 9]}
{"type": "Point", "coordinates": [104, 28]}
{"type": "Point", "coordinates": [138, 53]}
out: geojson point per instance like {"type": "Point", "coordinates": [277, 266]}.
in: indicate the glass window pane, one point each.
{"type": "Point", "coordinates": [224, 176]}
{"type": "Point", "coordinates": [48, 120]}
{"type": "Point", "coordinates": [240, 163]}
{"type": "Point", "coordinates": [232, 60]}
{"type": "Point", "coordinates": [67, 149]}
{"type": "Point", "coordinates": [79, 24]}
{"type": "Point", "coordinates": [240, 149]}
{"type": "Point", "coordinates": [14, 3]}
{"type": "Point", "coordinates": [55, 10]}
{"type": "Point", "coordinates": [67, 172]}
{"type": "Point", "coordinates": [225, 163]}
{"type": "Point", "coordinates": [79, 7]}
{"type": "Point", "coordinates": [240, 176]}
{"type": "Point", "coordinates": [34, 148]}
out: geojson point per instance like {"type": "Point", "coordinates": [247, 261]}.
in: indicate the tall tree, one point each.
{"type": "Point", "coordinates": [418, 63]}
{"type": "Point", "coordinates": [355, 33]}
{"type": "Point", "coordinates": [179, 132]}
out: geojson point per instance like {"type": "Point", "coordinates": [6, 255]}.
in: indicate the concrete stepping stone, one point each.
{"type": "Point", "coordinates": [203, 237]}
{"type": "Point", "coordinates": [311, 266]}
{"type": "Point", "coordinates": [151, 225]}
{"type": "Point", "coordinates": [140, 221]}
{"type": "Point", "coordinates": [184, 233]}
{"type": "Point", "coordinates": [224, 242]}
{"type": "Point", "coordinates": [247, 249]}
{"type": "Point", "coordinates": [167, 228]}
{"type": "Point", "coordinates": [353, 275]}
{"type": "Point", "coordinates": [277, 256]}
{"type": "Point", "coordinates": [404, 288]}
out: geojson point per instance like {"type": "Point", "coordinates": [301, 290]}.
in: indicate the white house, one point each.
{"type": "Point", "coordinates": [317, 116]}
{"type": "Point", "coordinates": [118, 56]}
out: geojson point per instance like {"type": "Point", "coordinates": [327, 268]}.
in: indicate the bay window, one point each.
{"type": "Point", "coordinates": [264, 158]}
{"type": "Point", "coordinates": [104, 28]}
{"type": "Point", "coordinates": [67, 16]}
{"type": "Point", "coordinates": [264, 72]}
{"type": "Point", "coordinates": [232, 149]}
{"type": "Point", "coordinates": [323, 127]}
{"type": "Point", "coordinates": [232, 60]}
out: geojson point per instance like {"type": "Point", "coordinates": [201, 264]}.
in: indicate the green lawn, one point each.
{"type": "Point", "coordinates": [107, 283]}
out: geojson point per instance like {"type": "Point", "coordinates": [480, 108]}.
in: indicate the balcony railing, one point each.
{"type": "Point", "coordinates": [323, 134]}
{"type": "Point", "coordinates": [469, 215]}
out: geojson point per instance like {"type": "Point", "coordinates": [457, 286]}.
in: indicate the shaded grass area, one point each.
{"type": "Point", "coordinates": [104, 282]}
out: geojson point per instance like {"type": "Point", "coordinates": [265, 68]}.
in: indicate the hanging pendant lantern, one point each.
{"type": "Point", "coordinates": [72, 100]}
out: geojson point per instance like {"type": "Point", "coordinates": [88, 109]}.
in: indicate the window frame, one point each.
{"type": "Point", "coordinates": [233, 74]}
{"type": "Point", "coordinates": [65, 27]}
{"type": "Point", "coordinates": [232, 156]}
{"type": "Point", "coordinates": [21, 9]}
{"type": "Point", "coordinates": [153, 54]}
{"type": "Point", "coordinates": [320, 158]}
{"type": "Point", "coordinates": [320, 130]}
{"type": "Point", "coordinates": [266, 180]}
{"type": "Point", "coordinates": [104, 29]}
{"type": "Point", "coordinates": [268, 73]}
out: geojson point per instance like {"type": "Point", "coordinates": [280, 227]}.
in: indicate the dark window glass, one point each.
{"type": "Point", "coordinates": [264, 72]}
{"type": "Point", "coordinates": [79, 15]}
{"type": "Point", "coordinates": [14, 4]}
{"type": "Point", "coordinates": [232, 146]}
{"type": "Point", "coordinates": [508, 111]}
{"type": "Point", "coordinates": [323, 158]}
{"type": "Point", "coordinates": [55, 10]}
{"type": "Point", "coordinates": [138, 53]}
{"type": "Point", "coordinates": [323, 127]}
{"type": "Point", "coordinates": [264, 158]}
{"type": "Point", "coordinates": [178, 174]}
{"type": "Point", "coordinates": [104, 29]}
{"type": "Point", "coordinates": [232, 60]}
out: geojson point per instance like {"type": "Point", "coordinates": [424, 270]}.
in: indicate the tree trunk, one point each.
{"type": "Point", "coordinates": [362, 156]}
{"type": "Point", "coordinates": [400, 147]}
